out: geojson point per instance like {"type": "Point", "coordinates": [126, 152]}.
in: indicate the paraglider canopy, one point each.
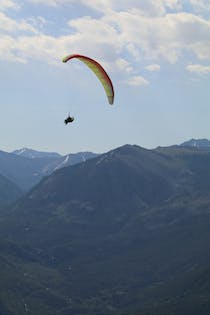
{"type": "Point", "coordinates": [99, 72]}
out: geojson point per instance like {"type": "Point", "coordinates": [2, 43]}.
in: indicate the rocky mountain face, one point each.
{"type": "Point", "coordinates": [9, 192]}
{"type": "Point", "coordinates": [111, 235]}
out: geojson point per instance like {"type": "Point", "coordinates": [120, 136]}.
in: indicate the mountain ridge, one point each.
{"type": "Point", "coordinates": [197, 143]}
{"type": "Point", "coordinates": [31, 153]}
{"type": "Point", "coordinates": [26, 172]}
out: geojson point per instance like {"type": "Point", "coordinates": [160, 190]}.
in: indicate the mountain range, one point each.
{"type": "Point", "coordinates": [26, 167]}
{"type": "Point", "coordinates": [126, 232]}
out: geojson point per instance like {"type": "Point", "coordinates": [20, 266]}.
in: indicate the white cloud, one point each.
{"type": "Point", "coordinates": [200, 5]}
{"type": "Point", "coordinates": [202, 49]}
{"type": "Point", "coordinates": [147, 7]}
{"type": "Point", "coordinates": [8, 4]}
{"type": "Point", "coordinates": [8, 50]}
{"type": "Point", "coordinates": [48, 2]}
{"type": "Point", "coordinates": [10, 25]}
{"type": "Point", "coordinates": [153, 67]}
{"type": "Point", "coordinates": [128, 4]}
{"type": "Point", "coordinates": [128, 33]}
{"type": "Point", "coordinates": [97, 5]}
{"type": "Point", "coordinates": [124, 65]}
{"type": "Point", "coordinates": [165, 37]}
{"type": "Point", "coordinates": [37, 22]}
{"type": "Point", "coordinates": [94, 37]}
{"type": "Point", "coordinates": [198, 69]}
{"type": "Point", "coordinates": [137, 81]}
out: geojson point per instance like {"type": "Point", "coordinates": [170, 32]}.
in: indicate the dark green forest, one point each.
{"type": "Point", "coordinates": [124, 233]}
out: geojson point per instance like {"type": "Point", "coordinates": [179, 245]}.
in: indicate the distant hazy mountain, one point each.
{"type": "Point", "coordinates": [197, 143]}
{"type": "Point", "coordinates": [103, 236]}
{"type": "Point", "coordinates": [26, 172]}
{"type": "Point", "coordinates": [30, 153]}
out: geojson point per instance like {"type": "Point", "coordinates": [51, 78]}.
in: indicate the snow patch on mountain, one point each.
{"type": "Point", "coordinates": [63, 163]}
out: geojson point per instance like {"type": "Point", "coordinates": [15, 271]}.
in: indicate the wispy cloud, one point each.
{"type": "Point", "coordinates": [124, 65]}
{"type": "Point", "coordinates": [200, 5]}
{"type": "Point", "coordinates": [9, 25]}
{"type": "Point", "coordinates": [153, 67]}
{"type": "Point", "coordinates": [137, 81]}
{"type": "Point", "coordinates": [198, 69]}
{"type": "Point", "coordinates": [147, 7]}
{"type": "Point", "coordinates": [8, 4]}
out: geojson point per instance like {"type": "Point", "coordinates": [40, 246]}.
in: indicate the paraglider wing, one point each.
{"type": "Point", "coordinates": [100, 73]}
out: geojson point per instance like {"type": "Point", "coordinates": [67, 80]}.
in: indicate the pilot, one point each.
{"type": "Point", "coordinates": [69, 119]}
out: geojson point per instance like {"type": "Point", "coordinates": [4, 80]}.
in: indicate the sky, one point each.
{"type": "Point", "coordinates": [156, 52]}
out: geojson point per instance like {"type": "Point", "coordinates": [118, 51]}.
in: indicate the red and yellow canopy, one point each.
{"type": "Point", "coordinates": [99, 72]}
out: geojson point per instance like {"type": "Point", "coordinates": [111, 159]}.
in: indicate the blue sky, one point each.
{"type": "Point", "coordinates": [157, 53]}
